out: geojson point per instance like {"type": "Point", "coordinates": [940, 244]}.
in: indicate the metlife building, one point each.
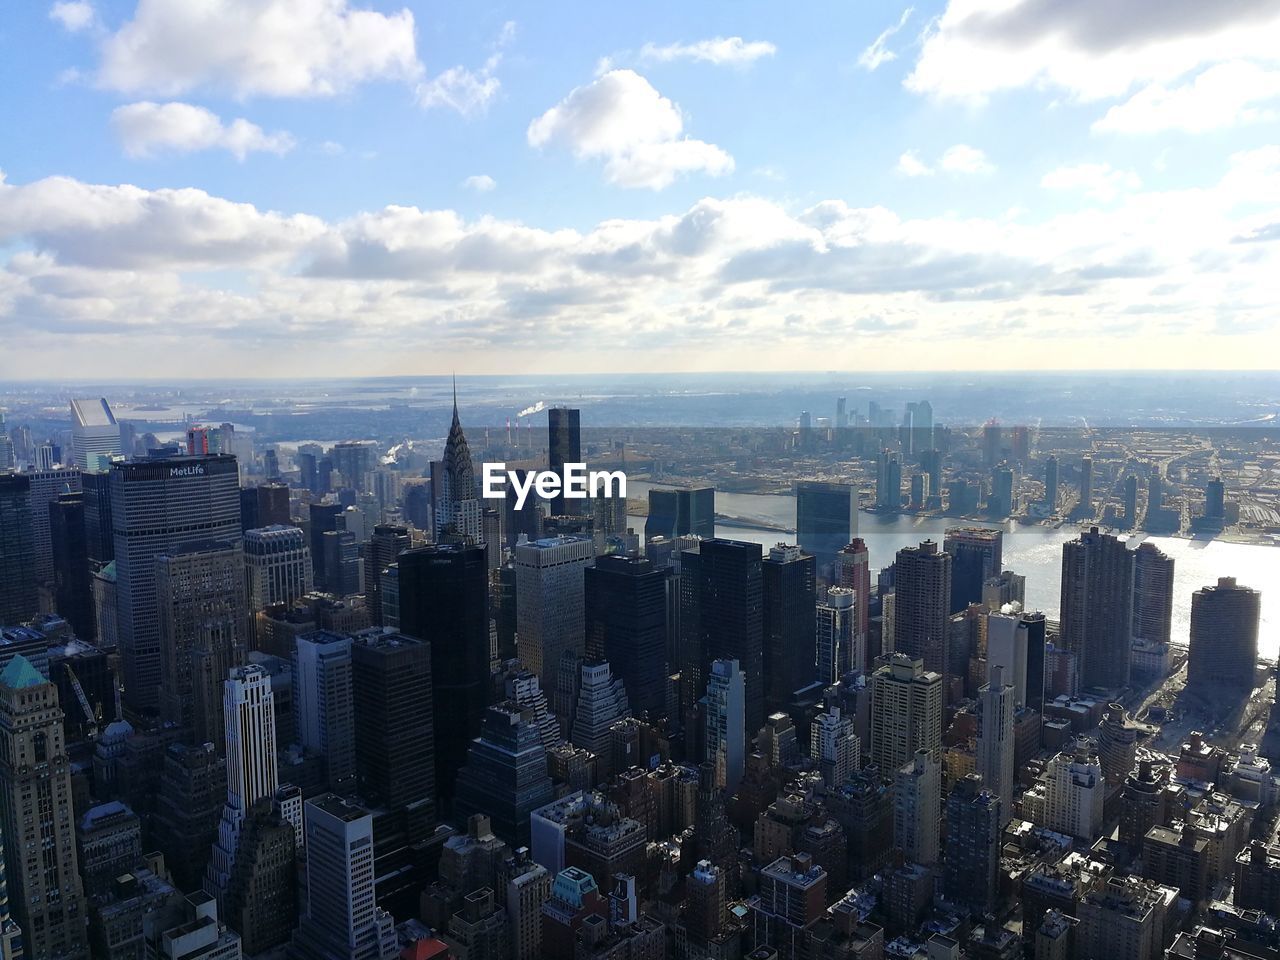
{"type": "Point", "coordinates": [158, 506]}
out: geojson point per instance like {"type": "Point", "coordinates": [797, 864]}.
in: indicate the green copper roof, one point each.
{"type": "Point", "coordinates": [19, 673]}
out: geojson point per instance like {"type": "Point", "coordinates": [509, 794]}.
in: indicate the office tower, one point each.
{"type": "Point", "coordinates": [343, 920]}
{"type": "Point", "coordinates": [1051, 482]}
{"type": "Point", "coordinates": [906, 712]}
{"type": "Point", "coordinates": [1036, 626]}
{"type": "Point", "coordinates": [564, 445]}
{"type": "Point", "coordinates": [888, 481]}
{"type": "Point", "coordinates": [991, 443]}
{"type": "Point", "coordinates": [721, 618]}
{"type": "Point", "coordinates": [324, 518]}
{"type": "Point", "coordinates": [478, 931]}
{"type": "Point", "coordinates": [387, 543]}
{"type": "Point", "coordinates": [265, 505]}
{"type": "Point", "coordinates": [526, 886]}
{"type": "Point", "coordinates": [705, 906]}
{"type": "Point", "coordinates": [838, 650]}
{"type": "Point", "coordinates": [324, 705]}
{"type": "Point", "coordinates": [682, 512]}
{"type": "Point", "coordinates": [108, 844]}
{"type": "Point", "coordinates": [444, 599]}
{"type": "Point", "coordinates": [601, 702]}
{"type": "Point", "coordinates": [917, 808]}
{"type": "Point", "coordinates": [994, 748]}
{"type": "Point", "coordinates": [1096, 608]}
{"type": "Point", "coordinates": [95, 435]}
{"type": "Point", "coordinates": [1117, 744]}
{"type": "Point", "coordinates": [726, 723]}
{"type": "Point", "coordinates": [277, 566]}
{"type": "Point", "coordinates": [46, 486]}
{"type": "Point", "coordinates": [36, 817]}
{"type": "Point", "coordinates": [550, 605]}
{"type": "Point", "coordinates": [354, 459]}
{"type": "Point", "coordinates": [249, 715]}
{"type": "Point", "coordinates": [190, 797]}
{"type": "Point", "coordinates": [626, 624]}
{"type": "Point", "coordinates": [922, 604]}
{"type": "Point", "coordinates": [1005, 588]}
{"type": "Point", "coordinates": [8, 461]}
{"type": "Point", "coordinates": [1152, 594]}
{"type": "Point", "coordinates": [1215, 500]}
{"type": "Point", "coordinates": [976, 556]}
{"type": "Point", "coordinates": [341, 552]}
{"type": "Point", "coordinates": [524, 521]}
{"type": "Point", "coordinates": [99, 532]}
{"type": "Point", "coordinates": [261, 903]}
{"type": "Point", "coordinates": [972, 862]}
{"type": "Point", "coordinates": [1125, 917]}
{"type": "Point", "coordinates": [455, 505]}
{"type": "Point", "coordinates": [853, 571]}
{"type": "Point", "coordinates": [921, 426]}
{"type": "Point", "coordinates": [204, 631]}
{"type": "Point", "coordinates": [1223, 653]}
{"type": "Point", "coordinates": [523, 687]}
{"type": "Point", "coordinates": [505, 774]}
{"type": "Point", "coordinates": [793, 896]}
{"type": "Point", "coordinates": [72, 579]}
{"type": "Point", "coordinates": [787, 576]}
{"type": "Point", "coordinates": [1131, 501]}
{"type": "Point", "coordinates": [1086, 486]}
{"type": "Point", "coordinates": [1069, 797]}
{"type": "Point", "coordinates": [826, 519]}
{"type": "Point", "coordinates": [158, 506]}
{"type": "Point", "coordinates": [1015, 642]}
{"type": "Point", "coordinates": [1001, 502]}
{"type": "Point", "coordinates": [834, 746]}
{"type": "Point", "coordinates": [196, 933]}
{"type": "Point", "coordinates": [395, 744]}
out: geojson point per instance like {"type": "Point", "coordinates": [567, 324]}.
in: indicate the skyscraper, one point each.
{"type": "Point", "coordinates": [455, 501]}
{"type": "Point", "coordinates": [787, 576]}
{"type": "Point", "coordinates": [977, 555]}
{"type": "Point", "coordinates": [324, 518]}
{"type": "Point", "coordinates": [389, 540]}
{"type": "Point", "coordinates": [444, 599]}
{"type": "Point", "coordinates": [505, 774]}
{"type": "Point", "coordinates": [922, 588]}
{"type": "Point", "coordinates": [682, 512]}
{"type": "Point", "coordinates": [853, 570]}
{"type": "Point", "coordinates": [1096, 608]}
{"type": "Point", "coordinates": [551, 605]}
{"type": "Point", "coordinates": [204, 631]}
{"type": "Point", "coordinates": [1086, 487]}
{"type": "Point", "coordinates": [72, 577]}
{"type": "Point", "coordinates": [1223, 654]}
{"type": "Point", "coordinates": [158, 506]}
{"type": "Point", "coordinates": [324, 705]}
{"type": "Point", "coordinates": [95, 435]}
{"type": "Point", "coordinates": [834, 746]}
{"type": "Point", "coordinates": [36, 817]}
{"type": "Point", "coordinates": [277, 566]}
{"type": "Point", "coordinates": [564, 445]}
{"type": "Point", "coordinates": [837, 646]}
{"type": "Point", "coordinates": [1152, 594]}
{"type": "Point", "coordinates": [972, 864]}
{"type": "Point", "coordinates": [726, 723]}
{"type": "Point", "coordinates": [47, 485]}
{"type": "Point", "coordinates": [1215, 499]}
{"type": "Point", "coordinates": [826, 519]}
{"type": "Point", "coordinates": [601, 702]}
{"type": "Point", "coordinates": [995, 740]}
{"type": "Point", "coordinates": [1051, 482]}
{"type": "Point", "coordinates": [626, 624]}
{"type": "Point", "coordinates": [917, 808]}
{"type": "Point", "coordinates": [906, 712]}
{"type": "Point", "coordinates": [888, 481]}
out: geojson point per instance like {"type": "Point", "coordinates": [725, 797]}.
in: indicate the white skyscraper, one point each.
{"type": "Point", "coordinates": [995, 740]}
{"type": "Point", "coordinates": [550, 606]}
{"type": "Point", "coordinates": [1068, 796]}
{"type": "Point", "coordinates": [323, 704]}
{"type": "Point", "coordinates": [727, 722]}
{"type": "Point", "coordinates": [837, 635]}
{"type": "Point", "coordinates": [95, 435]}
{"type": "Point", "coordinates": [917, 808]}
{"type": "Point", "coordinates": [1007, 647]}
{"type": "Point", "coordinates": [906, 712]}
{"type": "Point", "coordinates": [834, 746]}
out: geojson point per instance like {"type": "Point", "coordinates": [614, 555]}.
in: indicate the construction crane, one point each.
{"type": "Point", "coordinates": [84, 701]}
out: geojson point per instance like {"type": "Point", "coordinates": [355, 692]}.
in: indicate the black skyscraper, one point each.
{"type": "Point", "coordinates": [688, 511]}
{"type": "Point", "coordinates": [391, 689]}
{"type": "Point", "coordinates": [324, 518]}
{"type": "Point", "coordinates": [626, 616]}
{"type": "Point", "coordinates": [564, 445]}
{"type": "Point", "coordinates": [72, 582]}
{"type": "Point", "coordinates": [789, 624]}
{"type": "Point", "coordinates": [444, 599]}
{"type": "Point", "coordinates": [976, 556]}
{"type": "Point", "coordinates": [1096, 608]}
{"type": "Point", "coordinates": [96, 488]}
{"type": "Point", "coordinates": [526, 520]}
{"type": "Point", "coordinates": [1035, 624]}
{"type": "Point", "coordinates": [18, 598]}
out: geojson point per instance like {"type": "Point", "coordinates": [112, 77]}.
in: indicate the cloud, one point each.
{"type": "Point", "coordinates": [1098, 180]}
{"type": "Point", "coordinates": [878, 53]}
{"type": "Point", "coordinates": [464, 90]}
{"type": "Point", "coordinates": [910, 165]}
{"type": "Point", "coordinates": [1091, 49]}
{"type": "Point", "coordinates": [1224, 95]}
{"type": "Point", "coordinates": [480, 183]}
{"type": "Point", "coordinates": [963, 158]}
{"type": "Point", "coordinates": [145, 129]}
{"type": "Point", "coordinates": [74, 15]}
{"type": "Point", "coordinates": [274, 48]}
{"type": "Point", "coordinates": [718, 50]}
{"type": "Point", "coordinates": [620, 118]}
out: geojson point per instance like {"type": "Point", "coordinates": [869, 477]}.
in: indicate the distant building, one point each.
{"type": "Point", "coordinates": [95, 435]}
{"type": "Point", "coordinates": [826, 520]}
{"type": "Point", "coordinates": [1223, 653]}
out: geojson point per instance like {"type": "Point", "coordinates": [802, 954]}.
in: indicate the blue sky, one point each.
{"type": "Point", "coordinates": [312, 186]}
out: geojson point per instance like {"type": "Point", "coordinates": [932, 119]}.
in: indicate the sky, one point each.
{"type": "Point", "coordinates": [324, 187]}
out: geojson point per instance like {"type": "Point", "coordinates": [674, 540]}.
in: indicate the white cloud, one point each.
{"type": "Point", "coordinates": [718, 50]}
{"type": "Point", "coordinates": [1091, 49]}
{"type": "Point", "coordinates": [619, 117]}
{"type": "Point", "coordinates": [1098, 180]}
{"type": "Point", "coordinates": [878, 53]}
{"type": "Point", "coordinates": [1224, 95]}
{"type": "Point", "coordinates": [963, 158]}
{"type": "Point", "coordinates": [467, 91]}
{"type": "Point", "coordinates": [277, 48]}
{"type": "Point", "coordinates": [147, 128]}
{"type": "Point", "coordinates": [910, 165]}
{"type": "Point", "coordinates": [480, 183]}
{"type": "Point", "coordinates": [74, 15]}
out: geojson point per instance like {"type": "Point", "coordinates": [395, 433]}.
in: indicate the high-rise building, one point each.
{"type": "Point", "coordinates": [976, 556]}
{"type": "Point", "coordinates": [196, 933]}
{"type": "Point", "coordinates": [992, 446]}
{"type": "Point", "coordinates": [323, 518]}
{"type": "Point", "coordinates": [972, 862]}
{"type": "Point", "coordinates": [906, 712]}
{"type": "Point", "coordinates": [793, 897]}
{"type": "Point", "coordinates": [1086, 487]}
{"type": "Point", "coordinates": [158, 506]}
{"type": "Point", "coordinates": [47, 485]}
{"type": "Point", "coordinates": [99, 532]}
{"type": "Point", "coordinates": [1007, 648]}
{"type": "Point", "coordinates": [324, 705]}
{"type": "Point", "coordinates": [1215, 500]}
{"type": "Point", "coordinates": [95, 435]}
{"type": "Point", "coordinates": [838, 649]}
{"type": "Point", "coordinates": [721, 617]}
{"type": "Point", "coordinates": [521, 521]}
{"type": "Point", "coordinates": [526, 885]}
{"type": "Point", "coordinates": [277, 566]}
{"type": "Point", "coordinates": [72, 575]}
{"type": "Point", "coordinates": [343, 920]}
{"type": "Point", "coordinates": [1131, 501]}
{"type": "Point", "coordinates": [682, 512]}
{"type": "Point", "coordinates": [456, 507]}
{"type": "Point", "coordinates": [551, 605]}
{"type": "Point", "coordinates": [204, 631]}
{"type": "Point", "coordinates": [564, 445]}
{"type": "Point", "coordinates": [1068, 799]}
{"type": "Point", "coordinates": [788, 581]}
{"type": "Point", "coordinates": [260, 902]}
{"type": "Point", "coordinates": [994, 759]}
{"type": "Point", "coordinates": [626, 624]}
{"type": "Point", "coordinates": [1097, 608]}
{"type": "Point", "coordinates": [888, 481]}
{"type": "Point", "coordinates": [826, 520]}
{"type": "Point", "coordinates": [36, 817]}
{"type": "Point", "coordinates": [505, 775]}
{"type": "Point", "coordinates": [834, 746]}
{"type": "Point", "coordinates": [341, 552]}
{"type": "Point", "coordinates": [389, 540]}
{"type": "Point", "coordinates": [1051, 482]}
{"type": "Point", "coordinates": [354, 459]}
{"type": "Point", "coordinates": [444, 599]}
{"type": "Point", "coordinates": [1223, 654]}
{"type": "Point", "coordinates": [1005, 588]}
{"type": "Point", "coordinates": [1152, 594]}
{"type": "Point", "coordinates": [726, 723]}
{"type": "Point", "coordinates": [853, 571]}
{"type": "Point", "coordinates": [917, 808]}
{"type": "Point", "coordinates": [922, 590]}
